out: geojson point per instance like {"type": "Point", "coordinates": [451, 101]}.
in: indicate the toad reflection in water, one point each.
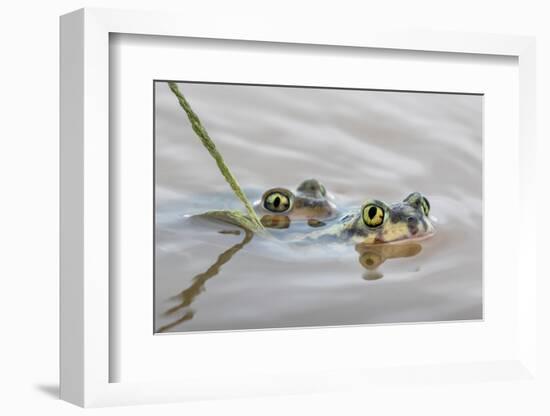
{"type": "Point", "coordinates": [371, 256]}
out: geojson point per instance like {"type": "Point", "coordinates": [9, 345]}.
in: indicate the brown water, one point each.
{"type": "Point", "coordinates": [360, 144]}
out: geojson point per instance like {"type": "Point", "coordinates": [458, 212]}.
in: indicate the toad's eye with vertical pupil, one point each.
{"type": "Point", "coordinates": [425, 204]}
{"type": "Point", "coordinates": [373, 215]}
{"type": "Point", "coordinates": [277, 201]}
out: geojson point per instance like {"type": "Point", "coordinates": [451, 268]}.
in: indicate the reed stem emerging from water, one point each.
{"type": "Point", "coordinates": [211, 147]}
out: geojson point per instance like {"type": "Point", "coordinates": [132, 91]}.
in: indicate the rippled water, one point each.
{"type": "Point", "coordinates": [359, 144]}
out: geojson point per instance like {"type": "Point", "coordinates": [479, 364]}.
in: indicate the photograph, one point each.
{"type": "Point", "coordinates": [289, 206]}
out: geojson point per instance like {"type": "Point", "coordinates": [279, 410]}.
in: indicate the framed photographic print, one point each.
{"type": "Point", "coordinates": [262, 213]}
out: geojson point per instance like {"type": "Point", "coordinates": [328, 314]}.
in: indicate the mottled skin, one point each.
{"type": "Point", "coordinates": [406, 220]}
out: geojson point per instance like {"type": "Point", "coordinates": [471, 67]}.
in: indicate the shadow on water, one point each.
{"type": "Point", "coordinates": [372, 256]}
{"type": "Point", "coordinates": [187, 296]}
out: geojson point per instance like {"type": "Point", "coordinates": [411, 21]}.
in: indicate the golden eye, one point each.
{"type": "Point", "coordinates": [373, 215]}
{"type": "Point", "coordinates": [425, 204]}
{"type": "Point", "coordinates": [277, 201]}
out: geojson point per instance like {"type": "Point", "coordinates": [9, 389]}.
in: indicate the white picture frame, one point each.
{"type": "Point", "coordinates": [86, 356]}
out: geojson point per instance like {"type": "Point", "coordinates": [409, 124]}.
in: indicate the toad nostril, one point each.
{"type": "Point", "coordinates": [412, 220]}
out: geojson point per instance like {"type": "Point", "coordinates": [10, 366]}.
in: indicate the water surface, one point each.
{"type": "Point", "coordinates": [360, 144]}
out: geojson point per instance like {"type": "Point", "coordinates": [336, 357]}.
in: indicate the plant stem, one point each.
{"type": "Point", "coordinates": [207, 142]}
